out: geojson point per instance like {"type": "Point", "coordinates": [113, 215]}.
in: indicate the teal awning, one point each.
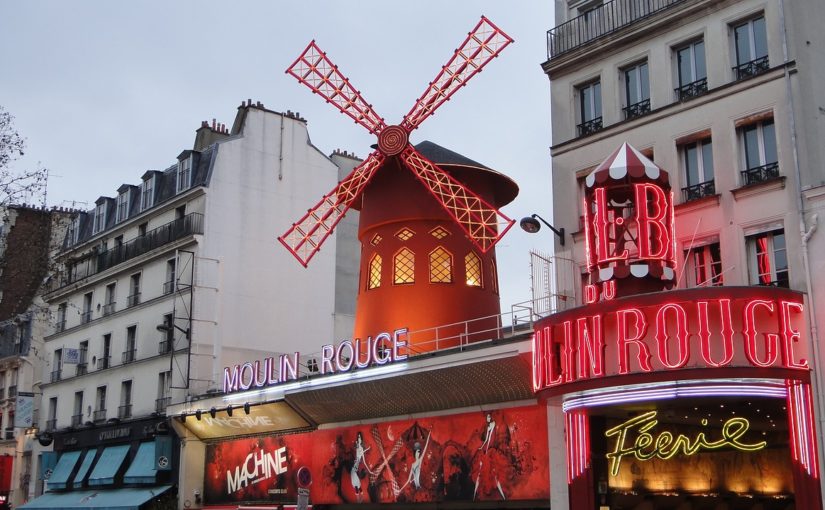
{"type": "Point", "coordinates": [108, 465]}
{"type": "Point", "coordinates": [63, 470]}
{"type": "Point", "coordinates": [80, 477]}
{"type": "Point", "coordinates": [142, 469]}
{"type": "Point", "coordinates": [102, 499]}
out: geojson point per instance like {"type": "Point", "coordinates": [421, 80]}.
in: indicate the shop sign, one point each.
{"type": "Point", "coordinates": [695, 328]}
{"type": "Point", "coordinates": [344, 357]}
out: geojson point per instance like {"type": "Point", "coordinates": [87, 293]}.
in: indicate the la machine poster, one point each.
{"type": "Point", "coordinates": [481, 456]}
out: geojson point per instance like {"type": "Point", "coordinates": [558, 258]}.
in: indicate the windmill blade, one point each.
{"type": "Point", "coordinates": [315, 70]}
{"type": "Point", "coordinates": [482, 45]}
{"type": "Point", "coordinates": [482, 222]}
{"type": "Point", "coordinates": [305, 237]}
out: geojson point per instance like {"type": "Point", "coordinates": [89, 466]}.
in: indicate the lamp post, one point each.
{"type": "Point", "coordinates": [531, 225]}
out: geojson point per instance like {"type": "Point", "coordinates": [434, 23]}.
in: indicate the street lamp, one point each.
{"type": "Point", "coordinates": [166, 328]}
{"type": "Point", "coordinates": [531, 225]}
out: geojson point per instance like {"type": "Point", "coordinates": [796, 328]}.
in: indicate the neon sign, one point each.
{"type": "Point", "coordinates": [347, 355]}
{"type": "Point", "coordinates": [665, 446]}
{"type": "Point", "coordinates": [694, 328]}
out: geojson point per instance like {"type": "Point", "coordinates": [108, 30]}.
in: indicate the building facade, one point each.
{"type": "Point", "coordinates": [161, 286]}
{"type": "Point", "coordinates": [724, 96]}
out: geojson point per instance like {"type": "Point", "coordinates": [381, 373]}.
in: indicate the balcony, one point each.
{"type": "Point", "coordinates": [161, 404]}
{"type": "Point", "coordinates": [637, 109]}
{"type": "Point", "coordinates": [86, 317]}
{"type": "Point", "coordinates": [590, 127]}
{"type": "Point", "coordinates": [103, 362]}
{"type": "Point", "coordinates": [752, 68]}
{"type": "Point", "coordinates": [601, 21]}
{"type": "Point", "coordinates": [692, 89]}
{"type": "Point", "coordinates": [56, 375]}
{"type": "Point", "coordinates": [60, 326]}
{"type": "Point", "coordinates": [180, 228]}
{"type": "Point", "coordinates": [10, 433]}
{"type": "Point", "coordinates": [759, 174]}
{"type": "Point", "coordinates": [697, 191]}
{"type": "Point", "coordinates": [82, 369]}
{"type": "Point", "coordinates": [164, 347]}
{"type": "Point", "coordinates": [99, 415]}
{"type": "Point", "coordinates": [2, 393]}
{"type": "Point", "coordinates": [124, 412]}
{"type": "Point", "coordinates": [109, 308]}
{"type": "Point", "coordinates": [77, 420]}
{"type": "Point", "coordinates": [129, 356]}
{"type": "Point", "coordinates": [13, 391]}
{"type": "Point", "coordinates": [133, 300]}
{"type": "Point", "coordinates": [51, 425]}
{"type": "Point", "coordinates": [168, 287]}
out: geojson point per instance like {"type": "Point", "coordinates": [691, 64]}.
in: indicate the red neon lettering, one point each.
{"type": "Point", "coordinates": [591, 294]}
{"type": "Point", "coordinates": [591, 347]}
{"type": "Point", "coordinates": [588, 241]}
{"type": "Point", "coordinates": [790, 336]}
{"type": "Point", "coordinates": [623, 341]}
{"type": "Point", "coordinates": [771, 339]}
{"type": "Point", "coordinates": [653, 236]}
{"type": "Point", "coordinates": [601, 223]}
{"type": "Point", "coordinates": [569, 355]}
{"type": "Point", "coordinates": [681, 335]}
{"type": "Point", "coordinates": [727, 333]}
{"type": "Point", "coordinates": [538, 360]}
{"type": "Point", "coordinates": [609, 290]}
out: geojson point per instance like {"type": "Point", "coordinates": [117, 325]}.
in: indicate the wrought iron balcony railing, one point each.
{"type": "Point", "coordinates": [133, 300]}
{"type": "Point", "coordinates": [10, 433]}
{"type": "Point", "coordinates": [161, 404]}
{"type": "Point", "coordinates": [759, 174]}
{"type": "Point", "coordinates": [109, 308]}
{"type": "Point", "coordinates": [82, 369]}
{"type": "Point", "coordinates": [752, 68]}
{"type": "Point", "coordinates": [86, 317]}
{"type": "Point", "coordinates": [168, 287]}
{"type": "Point", "coordinates": [60, 326]}
{"type": "Point", "coordinates": [692, 89]}
{"type": "Point", "coordinates": [589, 127]}
{"type": "Point", "coordinates": [601, 21]}
{"type": "Point", "coordinates": [103, 362]}
{"type": "Point", "coordinates": [124, 411]}
{"type": "Point", "coordinates": [2, 393]}
{"type": "Point", "coordinates": [164, 346]}
{"type": "Point", "coordinates": [99, 415]}
{"type": "Point", "coordinates": [13, 391]}
{"type": "Point", "coordinates": [77, 420]}
{"type": "Point", "coordinates": [56, 375]}
{"type": "Point", "coordinates": [51, 424]}
{"type": "Point", "coordinates": [129, 356]}
{"type": "Point", "coordinates": [637, 109]}
{"type": "Point", "coordinates": [697, 191]}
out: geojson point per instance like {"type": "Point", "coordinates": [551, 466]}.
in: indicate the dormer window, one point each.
{"type": "Point", "coordinates": [73, 232]}
{"type": "Point", "coordinates": [122, 206]}
{"type": "Point", "coordinates": [147, 193]}
{"type": "Point", "coordinates": [184, 174]}
{"type": "Point", "coordinates": [100, 218]}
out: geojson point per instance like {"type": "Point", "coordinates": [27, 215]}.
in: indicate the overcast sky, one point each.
{"type": "Point", "coordinates": [105, 90]}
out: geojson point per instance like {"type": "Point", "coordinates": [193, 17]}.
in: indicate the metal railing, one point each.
{"type": "Point", "coordinates": [103, 362]}
{"type": "Point", "coordinates": [109, 308]}
{"type": "Point", "coordinates": [60, 326]}
{"type": "Point", "coordinates": [13, 391]}
{"type": "Point", "coordinates": [601, 21]}
{"type": "Point", "coordinates": [637, 109]}
{"type": "Point", "coordinates": [164, 346]}
{"type": "Point", "coordinates": [124, 411]}
{"type": "Point", "coordinates": [161, 404]}
{"type": "Point", "coordinates": [2, 393]}
{"type": "Point", "coordinates": [133, 300]}
{"type": "Point", "coordinates": [692, 89]}
{"type": "Point", "coordinates": [168, 287]}
{"type": "Point", "coordinates": [589, 127]}
{"type": "Point", "coordinates": [82, 369]}
{"type": "Point", "coordinates": [99, 415]}
{"type": "Point", "coordinates": [77, 420]}
{"type": "Point", "coordinates": [51, 424]}
{"type": "Point", "coordinates": [129, 356]}
{"type": "Point", "coordinates": [86, 317]}
{"type": "Point", "coordinates": [56, 375]}
{"type": "Point", "coordinates": [10, 433]}
{"type": "Point", "coordinates": [752, 68]}
{"type": "Point", "coordinates": [697, 191]}
{"type": "Point", "coordinates": [759, 174]}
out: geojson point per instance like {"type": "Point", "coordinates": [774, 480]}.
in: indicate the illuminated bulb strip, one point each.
{"type": "Point", "coordinates": [801, 424]}
{"type": "Point", "coordinates": [643, 395]}
{"type": "Point", "coordinates": [578, 444]}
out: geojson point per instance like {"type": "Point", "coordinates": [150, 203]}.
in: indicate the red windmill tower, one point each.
{"type": "Point", "coordinates": [426, 233]}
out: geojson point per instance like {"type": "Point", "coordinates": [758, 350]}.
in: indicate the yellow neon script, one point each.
{"type": "Point", "coordinates": [665, 446]}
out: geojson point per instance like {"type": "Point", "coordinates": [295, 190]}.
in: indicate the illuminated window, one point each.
{"type": "Point", "coordinates": [706, 265]}
{"type": "Point", "coordinates": [441, 266]}
{"type": "Point", "coordinates": [494, 275]}
{"type": "Point", "coordinates": [375, 240]}
{"type": "Point", "coordinates": [472, 268]}
{"type": "Point", "coordinates": [404, 234]}
{"type": "Point", "coordinates": [404, 267]}
{"type": "Point", "coordinates": [375, 272]}
{"type": "Point", "coordinates": [768, 259]}
{"type": "Point", "coordinates": [439, 233]}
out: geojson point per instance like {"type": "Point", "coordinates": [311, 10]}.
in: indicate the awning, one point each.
{"type": "Point", "coordinates": [103, 499]}
{"type": "Point", "coordinates": [80, 477]}
{"type": "Point", "coordinates": [142, 469]}
{"type": "Point", "coordinates": [63, 470]}
{"type": "Point", "coordinates": [108, 465]}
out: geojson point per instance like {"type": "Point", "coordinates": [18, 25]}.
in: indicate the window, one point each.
{"type": "Point", "coordinates": [768, 259]}
{"type": "Point", "coordinates": [637, 91]}
{"type": "Point", "coordinates": [2, 385]}
{"type": "Point", "coordinates": [142, 229]}
{"type": "Point", "coordinates": [100, 404]}
{"type": "Point", "coordinates": [125, 409]}
{"type": "Point", "coordinates": [51, 421]}
{"type": "Point", "coordinates": [164, 387]}
{"type": "Point", "coordinates": [168, 338]}
{"type": "Point", "coordinates": [100, 218]}
{"type": "Point", "coordinates": [15, 375]}
{"type": "Point", "coordinates": [758, 145]}
{"type": "Point", "coordinates": [692, 74]}
{"type": "Point", "coordinates": [439, 233]}
{"type": "Point", "coordinates": [105, 357]}
{"type": "Point", "coordinates": [77, 409]}
{"type": "Point", "coordinates": [147, 193]}
{"type": "Point", "coordinates": [131, 350]}
{"type": "Point", "coordinates": [122, 206]}
{"type": "Point", "coordinates": [57, 365]}
{"type": "Point", "coordinates": [441, 266]}
{"type": "Point", "coordinates": [184, 174]}
{"type": "Point", "coordinates": [86, 315]}
{"type": "Point", "coordinates": [169, 284]}
{"type": "Point", "coordinates": [375, 239]}
{"type": "Point", "coordinates": [375, 272]}
{"type": "Point", "coordinates": [404, 234]}
{"type": "Point", "coordinates": [134, 290]}
{"type": "Point", "coordinates": [404, 267]}
{"type": "Point", "coordinates": [751, 42]}
{"type": "Point", "coordinates": [590, 108]}
{"type": "Point", "coordinates": [109, 303]}
{"type": "Point", "coordinates": [73, 230]}
{"type": "Point", "coordinates": [472, 270]}
{"type": "Point", "coordinates": [706, 264]}
{"type": "Point", "coordinates": [82, 366]}
{"type": "Point", "coordinates": [697, 160]}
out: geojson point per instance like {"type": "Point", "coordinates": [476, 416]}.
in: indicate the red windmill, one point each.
{"type": "Point", "coordinates": [429, 209]}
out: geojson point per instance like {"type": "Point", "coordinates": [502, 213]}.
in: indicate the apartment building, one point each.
{"type": "Point", "coordinates": [726, 96]}
{"type": "Point", "coordinates": [162, 285]}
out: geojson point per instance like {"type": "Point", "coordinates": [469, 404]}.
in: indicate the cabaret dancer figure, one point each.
{"type": "Point", "coordinates": [415, 467]}
{"type": "Point", "coordinates": [360, 452]}
{"type": "Point", "coordinates": [488, 460]}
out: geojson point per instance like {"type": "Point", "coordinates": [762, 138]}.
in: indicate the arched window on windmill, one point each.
{"type": "Point", "coordinates": [374, 278]}
{"type": "Point", "coordinates": [441, 266]}
{"type": "Point", "coordinates": [473, 270]}
{"type": "Point", "coordinates": [403, 267]}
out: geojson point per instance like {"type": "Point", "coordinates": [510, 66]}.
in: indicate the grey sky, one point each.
{"type": "Point", "coordinates": [105, 90]}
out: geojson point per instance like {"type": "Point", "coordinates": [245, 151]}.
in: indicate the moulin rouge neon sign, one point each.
{"type": "Point", "coordinates": [665, 446]}
{"type": "Point", "coordinates": [346, 356]}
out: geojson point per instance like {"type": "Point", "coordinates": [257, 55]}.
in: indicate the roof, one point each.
{"type": "Point", "coordinates": [626, 163]}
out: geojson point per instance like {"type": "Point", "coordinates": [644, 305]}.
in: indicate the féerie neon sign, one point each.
{"type": "Point", "coordinates": [665, 446]}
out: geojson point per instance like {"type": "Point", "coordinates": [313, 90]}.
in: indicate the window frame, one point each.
{"type": "Point", "coordinates": [706, 264]}
{"type": "Point", "coordinates": [706, 185]}
{"type": "Point", "coordinates": [183, 176]}
{"type": "Point", "coordinates": [432, 261]}
{"type": "Point", "coordinates": [642, 106]}
{"type": "Point", "coordinates": [765, 170]}
{"type": "Point", "coordinates": [586, 125]}
{"type": "Point", "coordinates": [100, 218]}
{"type": "Point", "coordinates": [147, 191]}
{"type": "Point", "coordinates": [751, 32]}
{"type": "Point", "coordinates": [754, 273]}
{"type": "Point", "coordinates": [122, 207]}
